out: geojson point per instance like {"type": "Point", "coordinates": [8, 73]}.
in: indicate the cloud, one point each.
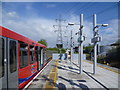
{"type": "Point", "coordinates": [9, 15]}
{"type": "Point", "coordinates": [12, 14]}
{"type": "Point", "coordinates": [35, 29]}
{"type": "Point", "coordinates": [110, 34]}
{"type": "Point", "coordinates": [41, 28]}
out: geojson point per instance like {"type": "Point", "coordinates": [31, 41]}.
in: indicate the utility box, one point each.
{"type": "Point", "coordinates": [81, 39]}
{"type": "Point", "coordinates": [96, 39]}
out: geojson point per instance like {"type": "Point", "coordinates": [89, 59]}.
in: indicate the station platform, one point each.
{"type": "Point", "coordinates": [61, 75]}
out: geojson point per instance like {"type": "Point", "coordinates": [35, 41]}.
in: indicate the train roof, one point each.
{"type": "Point", "coordinates": [13, 35]}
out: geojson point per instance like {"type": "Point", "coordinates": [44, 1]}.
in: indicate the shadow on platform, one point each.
{"type": "Point", "coordinates": [67, 69]}
{"type": "Point", "coordinates": [62, 86]}
{"type": "Point", "coordinates": [82, 86]}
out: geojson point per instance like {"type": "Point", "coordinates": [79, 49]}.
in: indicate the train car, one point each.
{"type": "Point", "coordinates": [20, 59]}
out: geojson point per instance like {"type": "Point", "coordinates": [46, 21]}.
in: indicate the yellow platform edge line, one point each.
{"type": "Point", "coordinates": [105, 68]}
{"type": "Point", "coordinates": [52, 76]}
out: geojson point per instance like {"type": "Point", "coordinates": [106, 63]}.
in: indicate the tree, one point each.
{"type": "Point", "coordinates": [88, 49]}
{"type": "Point", "coordinates": [43, 41]}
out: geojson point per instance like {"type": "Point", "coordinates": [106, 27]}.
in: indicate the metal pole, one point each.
{"type": "Point", "coordinates": [67, 42]}
{"type": "Point", "coordinates": [95, 44]}
{"type": "Point", "coordinates": [71, 48]}
{"type": "Point", "coordinates": [67, 48]}
{"type": "Point", "coordinates": [81, 44]}
{"type": "Point", "coordinates": [79, 49]}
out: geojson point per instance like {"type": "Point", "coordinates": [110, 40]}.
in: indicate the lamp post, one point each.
{"type": "Point", "coordinates": [67, 46]}
{"type": "Point", "coordinates": [96, 38]}
{"type": "Point", "coordinates": [81, 38]}
{"type": "Point", "coordinates": [71, 48]}
{"type": "Point", "coordinates": [71, 45]}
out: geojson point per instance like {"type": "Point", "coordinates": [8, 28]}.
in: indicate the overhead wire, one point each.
{"type": "Point", "coordinates": [90, 5]}
{"type": "Point", "coordinates": [85, 7]}
{"type": "Point", "coordinates": [67, 11]}
{"type": "Point", "coordinates": [110, 18]}
{"type": "Point", "coordinates": [76, 5]}
{"type": "Point", "coordinates": [103, 11]}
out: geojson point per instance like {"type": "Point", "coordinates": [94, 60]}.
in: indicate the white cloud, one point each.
{"type": "Point", "coordinates": [12, 14]}
{"type": "Point", "coordinates": [110, 34]}
{"type": "Point", "coordinates": [41, 28]}
{"type": "Point", "coordinates": [34, 29]}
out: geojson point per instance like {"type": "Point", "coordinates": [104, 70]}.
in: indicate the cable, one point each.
{"type": "Point", "coordinates": [108, 19]}
{"type": "Point", "coordinates": [85, 7]}
{"type": "Point", "coordinates": [76, 5]}
{"type": "Point", "coordinates": [72, 8]}
{"type": "Point", "coordinates": [101, 12]}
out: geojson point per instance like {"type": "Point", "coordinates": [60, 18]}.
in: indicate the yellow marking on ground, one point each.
{"type": "Point", "coordinates": [105, 68]}
{"type": "Point", "coordinates": [51, 83]}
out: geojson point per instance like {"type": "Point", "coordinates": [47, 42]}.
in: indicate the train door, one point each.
{"type": "Point", "coordinates": [42, 61]}
{"type": "Point", "coordinates": [3, 63]}
{"type": "Point", "coordinates": [9, 71]}
{"type": "Point", "coordinates": [39, 58]}
{"type": "Point", "coordinates": [12, 63]}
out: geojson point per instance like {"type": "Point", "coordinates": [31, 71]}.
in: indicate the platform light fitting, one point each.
{"type": "Point", "coordinates": [104, 25]}
{"type": "Point", "coordinates": [71, 23]}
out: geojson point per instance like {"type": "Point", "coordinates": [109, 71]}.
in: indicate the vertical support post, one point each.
{"type": "Point", "coordinates": [95, 44]}
{"type": "Point", "coordinates": [71, 48]}
{"type": "Point", "coordinates": [79, 52]}
{"type": "Point", "coordinates": [81, 44]}
{"type": "Point", "coordinates": [67, 48]}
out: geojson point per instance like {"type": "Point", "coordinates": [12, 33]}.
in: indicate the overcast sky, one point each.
{"type": "Point", "coordinates": [35, 20]}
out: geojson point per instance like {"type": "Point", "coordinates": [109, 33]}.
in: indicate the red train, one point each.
{"type": "Point", "coordinates": [20, 59]}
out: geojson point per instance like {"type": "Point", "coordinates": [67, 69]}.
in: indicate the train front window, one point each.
{"type": "Point", "coordinates": [23, 55]}
{"type": "Point", "coordinates": [1, 57]}
{"type": "Point", "coordinates": [13, 56]}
